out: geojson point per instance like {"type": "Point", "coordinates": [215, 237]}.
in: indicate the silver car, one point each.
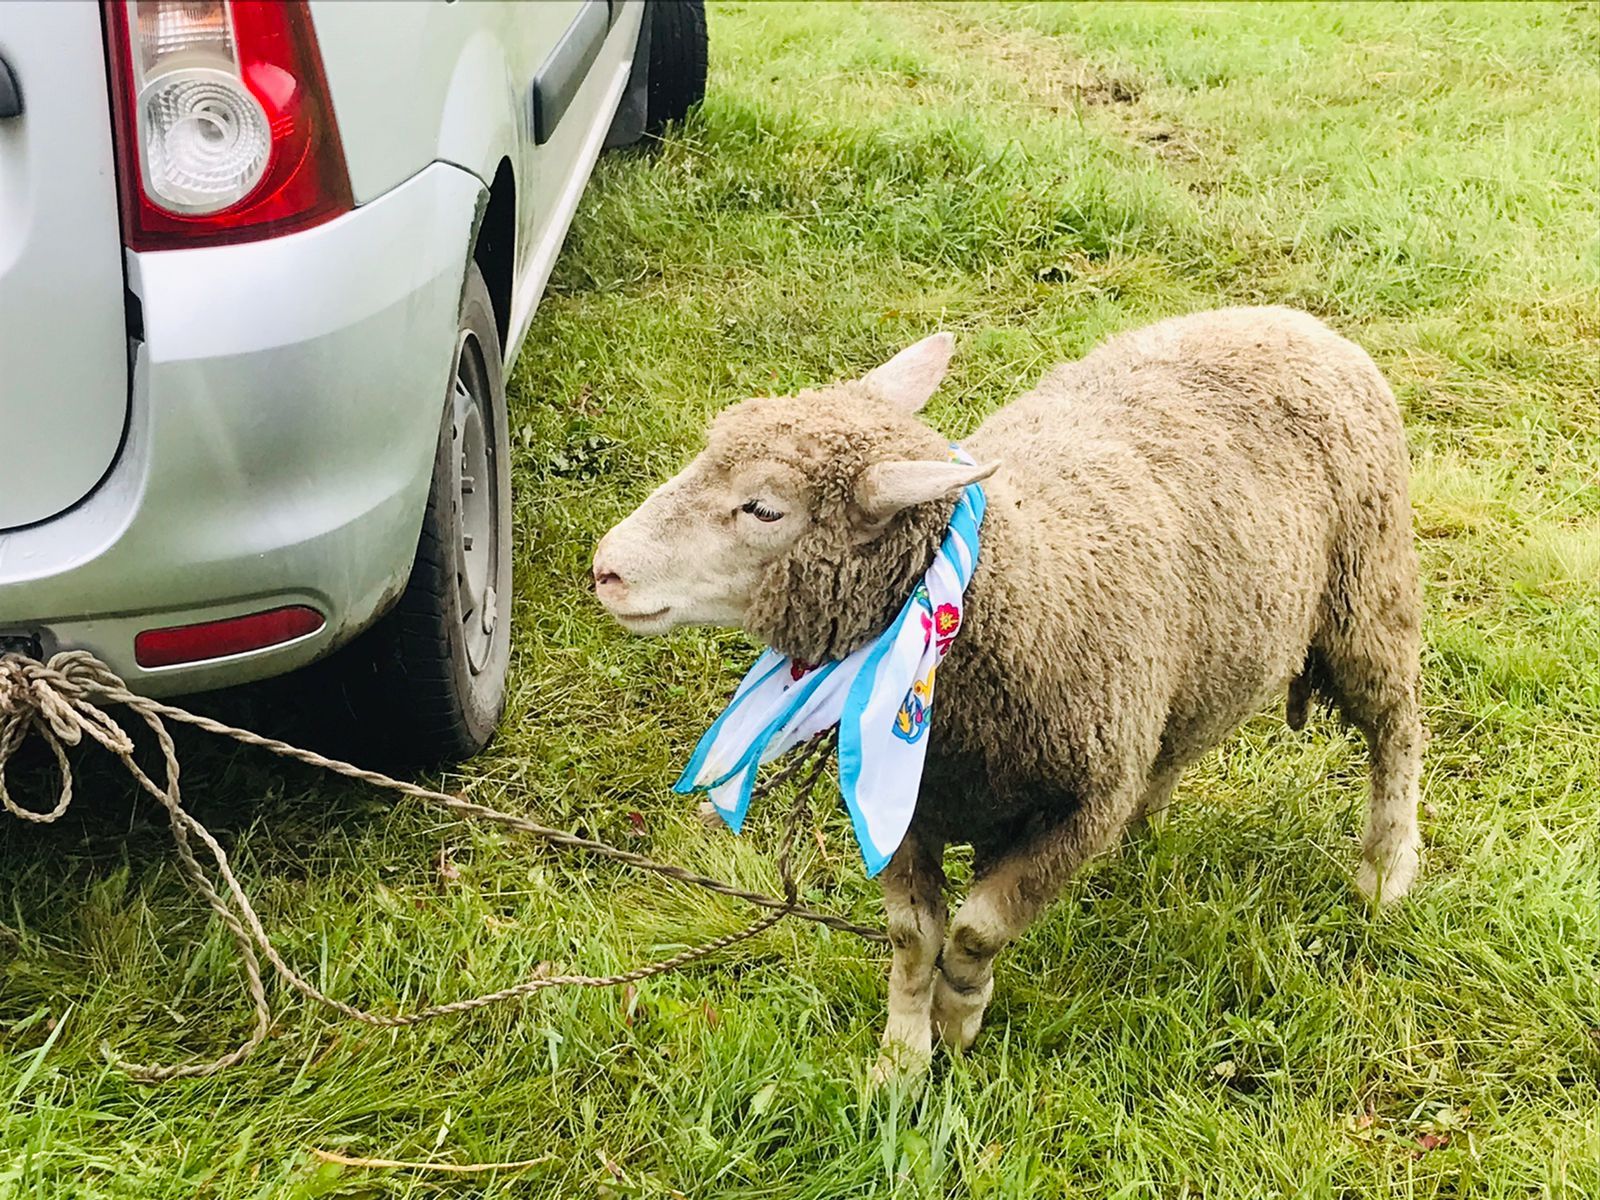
{"type": "Point", "coordinates": [263, 267]}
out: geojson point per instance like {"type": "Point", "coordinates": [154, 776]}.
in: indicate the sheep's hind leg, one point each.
{"type": "Point", "coordinates": [1005, 901]}
{"type": "Point", "coordinates": [913, 900]}
{"type": "Point", "coordinates": [1390, 850]}
{"type": "Point", "coordinates": [1371, 666]}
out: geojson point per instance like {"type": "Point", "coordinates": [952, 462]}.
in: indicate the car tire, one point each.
{"type": "Point", "coordinates": [677, 79]}
{"type": "Point", "coordinates": [426, 684]}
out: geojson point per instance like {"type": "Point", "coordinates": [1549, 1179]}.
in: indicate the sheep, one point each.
{"type": "Point", "coordinates": [1179, 525]}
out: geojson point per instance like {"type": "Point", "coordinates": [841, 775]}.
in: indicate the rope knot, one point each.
{"type": "Point", "coordinates": [14, 684]}
{"type": "Point", "coordinates": [58, 702]}
{"type": "Point", "coordinates": [62, 696]}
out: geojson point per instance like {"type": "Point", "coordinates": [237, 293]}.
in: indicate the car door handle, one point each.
{"type": "Point", "coordinates": [10, 93]}
{"type": "Point", "coordinates": [561, 74]}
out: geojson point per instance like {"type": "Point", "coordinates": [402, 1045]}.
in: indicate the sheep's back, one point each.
{"type": "Point", "coordinates": [1193, 483]}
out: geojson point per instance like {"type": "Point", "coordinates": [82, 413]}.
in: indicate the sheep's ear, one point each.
{"type": "Point", "coordinates": [887, 487]}
{"type": "Point", "coordinates": [910, 377]}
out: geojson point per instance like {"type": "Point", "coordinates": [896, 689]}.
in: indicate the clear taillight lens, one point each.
{"type": "Point", "coordinates": [204, 136]}
{"type": "Point", "coordinates": [225, 126]}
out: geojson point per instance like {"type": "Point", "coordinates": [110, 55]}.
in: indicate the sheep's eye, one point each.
{"type": "Point", "coordinates": [760, 511]}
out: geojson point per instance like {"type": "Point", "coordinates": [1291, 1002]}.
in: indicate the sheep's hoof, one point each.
{"type": "Point", "coordinates": [958, 1015]}
{"type": "Point", "coordinates": [1387, 881]}
{"type": "Point", "coordinates": [900, 1066]}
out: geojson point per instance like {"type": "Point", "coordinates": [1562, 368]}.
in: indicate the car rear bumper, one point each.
{"type": "Point", "coordinates": [285, 410]}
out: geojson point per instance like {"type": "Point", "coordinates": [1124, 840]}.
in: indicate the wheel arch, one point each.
{"type": "Point", "coordinates": [494, 246]}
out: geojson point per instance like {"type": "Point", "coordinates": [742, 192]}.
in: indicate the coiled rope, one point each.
{"type": "Point", "coordinates": [63, 702]}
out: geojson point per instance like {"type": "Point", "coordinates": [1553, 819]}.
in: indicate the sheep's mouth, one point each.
{"type": "Point", "coordinates": [644, 618]}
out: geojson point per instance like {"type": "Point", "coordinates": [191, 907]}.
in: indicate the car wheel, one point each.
{"type": "Point", "coordinates": [427, 683]}
{"type": "Point", "coordinates": [677, 79]}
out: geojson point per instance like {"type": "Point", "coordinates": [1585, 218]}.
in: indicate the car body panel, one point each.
{"type": "Point", "coordinates": [259, 468]}
{"type": "Point", "coordinates": [484, 53]}
{"type": "Point", "coordinates": [467, 100]}
{"type": "Point", "coordinates": [552, 195]}
{"type": "Point", "coordinates": [63, 339]}
{"type": "Point", "coordinates": [287, 393]}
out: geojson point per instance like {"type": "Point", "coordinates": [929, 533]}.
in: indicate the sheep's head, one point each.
{"type": "Point", "coordinates": [806, 520]}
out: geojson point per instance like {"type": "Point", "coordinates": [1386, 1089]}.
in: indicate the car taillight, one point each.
{"type": "Point", "coordinates": [225, 129]}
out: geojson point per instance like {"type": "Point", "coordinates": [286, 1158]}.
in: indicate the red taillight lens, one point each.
{"type": "Point", "coordinates": [218, 639]}
{"type": "Point", "coordinates": [225, 130]}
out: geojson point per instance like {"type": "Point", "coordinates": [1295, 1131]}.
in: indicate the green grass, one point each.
{"type": "Point", "coordinates": [1209, 1012]}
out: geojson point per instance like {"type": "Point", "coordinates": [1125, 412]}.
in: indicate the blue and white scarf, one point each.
{"type": "Point", "coordinates": [880, 696]}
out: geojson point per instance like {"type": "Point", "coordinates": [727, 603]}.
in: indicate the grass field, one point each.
{"type": "Point", "coordinates": [1208, 1013]}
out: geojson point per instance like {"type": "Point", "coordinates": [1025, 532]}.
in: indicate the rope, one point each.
{"type": "Point", "coordinates": [63, 702]}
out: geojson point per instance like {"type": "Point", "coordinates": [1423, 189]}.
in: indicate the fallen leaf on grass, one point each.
{"type": "Point", "coordinates": [762, 1100]}
{"type": "Point", "coordinates": [636, 821]}
{"type": "Point", "coordinates": [448, 871]}
{"type": "Point", "coordinates": [630, 1002]}
{"type": "Point", "coordinates": [1430, 1141]}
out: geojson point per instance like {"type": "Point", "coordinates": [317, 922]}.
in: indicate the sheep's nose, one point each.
{"type": "Point", "coordinates": [607, 579]}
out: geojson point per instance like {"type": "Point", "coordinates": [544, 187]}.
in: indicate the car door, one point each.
{"type": "Point", "coordinates": [63, 324]}
{"type": "Point", "coordinates": [576, 83]}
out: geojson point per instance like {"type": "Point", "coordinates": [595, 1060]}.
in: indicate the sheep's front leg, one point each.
{"type": "Point", "coordinates": [913, 900]}
{"type": "Point", "coordinates": [1153, 807]}
{"type": "Point", "coordinates": [1005, 901]}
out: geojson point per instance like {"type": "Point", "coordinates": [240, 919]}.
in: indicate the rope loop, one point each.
{"type": "Point", "coordinates": [56, 702]}
{"type": "Point", "coordinates": [63, 702]}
